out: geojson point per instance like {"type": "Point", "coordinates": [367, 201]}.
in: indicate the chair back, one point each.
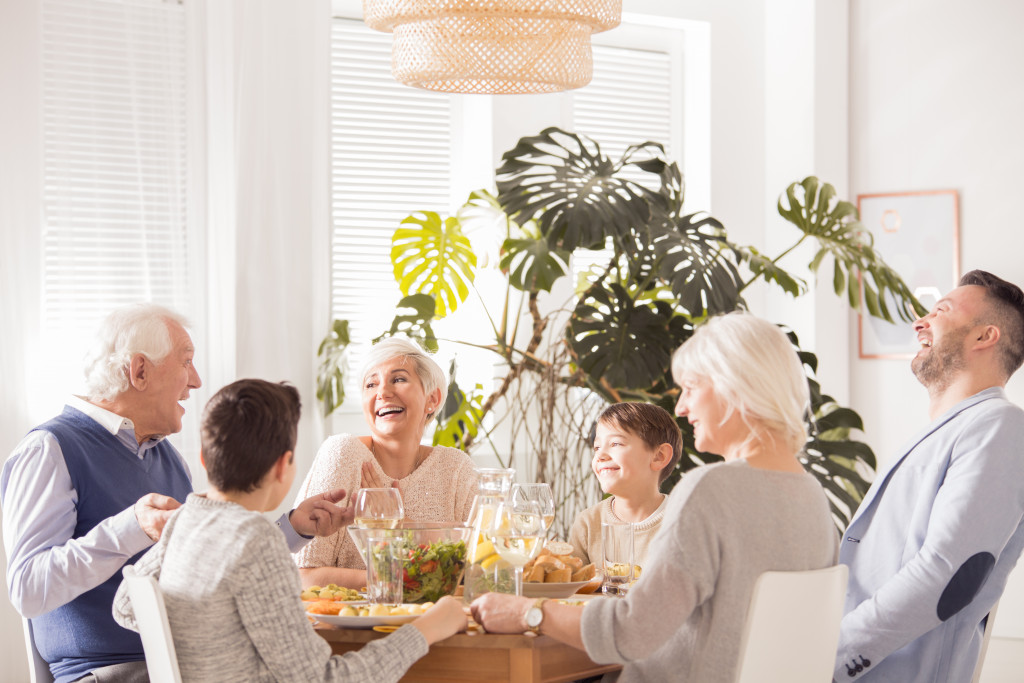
{"type": "Point", "coordinates": [792, 629]}
{"type": "Point", "coordinates": [38, 669]}
{"type": "Point", "coordinates": [151, 617]}
{"type": "Point", "coordinates": [990, 621]}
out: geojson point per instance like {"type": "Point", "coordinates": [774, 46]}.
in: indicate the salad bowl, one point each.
{"type": "Point", "coordinates": [433, 556]}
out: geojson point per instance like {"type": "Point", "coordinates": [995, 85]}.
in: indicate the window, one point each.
{"type": "Point", "coordinates": [390, 155]}
{"type": "Point", "coordinates": [115, 166]}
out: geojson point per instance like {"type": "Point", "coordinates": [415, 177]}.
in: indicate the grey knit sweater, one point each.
{"type": "Point", "coordinates": [232, 595]}
{"type": "Point", "coordinates": [724, 525]}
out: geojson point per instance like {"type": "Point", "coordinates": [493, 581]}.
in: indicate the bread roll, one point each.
{"type": "Point", "coordinates": [558, 576]}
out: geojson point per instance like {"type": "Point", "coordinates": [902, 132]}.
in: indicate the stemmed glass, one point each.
{"type": "Point", "coordinates": [517, 532]}
{"type": "Point", "coordinates": [378, 508]}
{"type": "Point", "coordinates": [541, 495]}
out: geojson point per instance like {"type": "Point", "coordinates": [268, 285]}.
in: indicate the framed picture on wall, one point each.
{"type": "Point", "coordinates": [918, 235]}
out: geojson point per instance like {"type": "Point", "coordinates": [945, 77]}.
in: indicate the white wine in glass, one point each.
{"type": "Point", "coordinates": [378, 508]}
{"type": "Point", "coordinates": [541, 495]}
{"type": "Point", "coordinates": [517, 532]}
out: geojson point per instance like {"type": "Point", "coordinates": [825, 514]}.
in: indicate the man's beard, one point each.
{"type": "Point", "coordinates": [937, 369]}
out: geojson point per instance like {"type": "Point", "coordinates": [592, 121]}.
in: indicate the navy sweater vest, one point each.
{"type": "Point", "coordinates": [82, 635]}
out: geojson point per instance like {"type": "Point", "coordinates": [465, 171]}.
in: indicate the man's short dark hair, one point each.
{"type": "Point", "coordinates": [653, 424]}
{"type": "Point", "coordinates": [1006, 302]}
{"type": "Point", "coordinates": [247, 426]}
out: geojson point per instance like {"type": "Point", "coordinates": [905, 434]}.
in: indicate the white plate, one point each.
{"type": "Point", "coordinates": [360, 601]}
{"type": "Point", "coordinates": [552, 590]}
{"type": "Point", "coordinates": [364, 622]}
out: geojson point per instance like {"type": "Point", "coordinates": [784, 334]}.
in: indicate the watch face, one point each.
{"type": "Point", "coordinates": [534, 617]}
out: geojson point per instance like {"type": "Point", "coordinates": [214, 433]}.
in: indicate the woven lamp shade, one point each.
{"type": "Point", "coordinates": [492, 46]}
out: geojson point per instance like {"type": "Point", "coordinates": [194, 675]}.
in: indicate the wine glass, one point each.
{"type": "Point", "coordinates": [517, 532]}
{"type": "Point", "coordinates": [540, 494]}
{"type": "Point", "coordinates": [378, 508]}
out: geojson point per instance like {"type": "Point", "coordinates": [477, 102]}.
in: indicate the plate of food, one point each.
{"type": "Point", "coordinates": [555, 573]}
{"type": "Point", "coordinates": [332, 592]}
{"type": "Point", "coordinates": [368, 616]}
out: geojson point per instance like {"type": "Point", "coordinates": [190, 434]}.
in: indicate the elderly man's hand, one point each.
{"type": "Point", "coordinates": [153, 510]}
{"type": "Point", "coordinates": [320, 516]}
{"type": "Point", "coordinates": [501, 613]}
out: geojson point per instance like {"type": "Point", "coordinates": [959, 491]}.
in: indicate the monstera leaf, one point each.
{"type": "Point", "coordinates": [815, 209]}
{"type": "Point", "coordinates": [415, 321]}
{"type": "Point", "coordinates": [330, 376]}
{"type": "Point", "coordinates": [576, 194]}
{"type": "Point", "coordinates": [530, 262]}
{"type": "Point", "coordinates": [459, 419]}
{"type": "Point", "coordinates": [761, 265]}
{"type": "Point", "coordinates": [433, 257]}
{"type": "Point", "coordinates": [619, 342]}
{"type": "Point", "coordinates": [692, 259]}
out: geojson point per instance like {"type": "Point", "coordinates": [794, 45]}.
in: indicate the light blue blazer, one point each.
{"type": "Point", "coordinates": [931, 546]}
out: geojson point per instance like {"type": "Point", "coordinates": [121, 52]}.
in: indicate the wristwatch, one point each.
{"type": "Point", "coordinates": [535, 615]}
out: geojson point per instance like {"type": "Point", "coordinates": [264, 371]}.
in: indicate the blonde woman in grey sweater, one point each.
{"type": "Point", "coordinates": [744, 392]}
{"type": "Point", "coordinates": [231, 588]}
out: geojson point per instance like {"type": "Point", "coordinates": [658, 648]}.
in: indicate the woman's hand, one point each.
{"type": "Point", "coordinates": [320, 516]}
{"type": "Point", "coordinates": [371, 480]}
{"type": "Point", "coordinates": [501, 613]}
{"type": "Point", "coordinates": [444, 619]}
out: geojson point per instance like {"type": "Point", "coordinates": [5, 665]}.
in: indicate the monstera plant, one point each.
{"type": "Point", "coordinates": [660, 272]}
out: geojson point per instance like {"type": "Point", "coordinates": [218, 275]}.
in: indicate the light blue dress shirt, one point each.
{"type": "Point", "coordinates": [46, 568]}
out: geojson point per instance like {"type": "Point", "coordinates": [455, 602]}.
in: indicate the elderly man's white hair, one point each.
{"type": "Point", "coordinates": [127, 331]}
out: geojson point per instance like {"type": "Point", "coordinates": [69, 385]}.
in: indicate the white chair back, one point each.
{"type": "Point", "coordinates": [151, 617]}
{"type": "Point", "coordinates": [38, 669]}
{"type": "Point", "coordinates": [989, 623]}
{"type": "Point", "coordinates": [792, 629]}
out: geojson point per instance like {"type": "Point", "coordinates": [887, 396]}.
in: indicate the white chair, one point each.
{"type": "Point", "coordinates": [151, 617]}
{"type": "Point", "coordinates": [990, 621]}
{"type": "Point", "coordinates": [38, 669]}
{"type": "Point", "coordinates": [792, 629]}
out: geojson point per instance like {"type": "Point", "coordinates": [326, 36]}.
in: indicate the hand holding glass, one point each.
{"type": "Point", "coordinates": [378, 508]}
{"type": "Point", "coordinates": [517, 532]}
{"type": "Point", "coordinates": [540, 494]}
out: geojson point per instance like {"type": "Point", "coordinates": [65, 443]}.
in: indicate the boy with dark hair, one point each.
{"type": "Point", "coordinates": [636, 447]}
{"type": "Point", "coordinates": [231, 588]}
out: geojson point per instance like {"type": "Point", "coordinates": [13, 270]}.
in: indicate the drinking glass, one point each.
{"type": "Point", "coordinates": [540, 494]}
{"type": "Point", "coordinates": [617, 548]}
{"type": "Point", "coordinates": [378, 508]}
{"type": "Point", "coordinates": [517, 532]}
{"type": "Point", "coordinates": [384, 569]}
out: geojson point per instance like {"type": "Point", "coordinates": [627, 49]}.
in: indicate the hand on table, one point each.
{"type": "Point", "coordinates": [320, 516]}
{"type": "Point", "coordinates": [152, 511]}
{"type": "Point", "coordinates": [501, 613]}
{"type": "Point", "coordinates": [444, 619]}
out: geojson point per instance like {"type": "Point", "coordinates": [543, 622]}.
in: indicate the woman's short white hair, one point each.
{"type": "Point", "coordinates": [754, 369]}
{"type": "Point", "coordinates": [126, 332]}
{"type": "Point", "coordinates": [430, 373]}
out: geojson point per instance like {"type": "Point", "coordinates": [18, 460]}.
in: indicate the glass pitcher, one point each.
{"type": "Point", "coordinates": [486, 571]}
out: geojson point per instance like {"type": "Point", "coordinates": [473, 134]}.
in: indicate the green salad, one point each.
{"type": "Point", "coordinates": [432, 570]}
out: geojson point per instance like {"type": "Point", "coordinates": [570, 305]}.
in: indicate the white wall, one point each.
{"type": "Point", "coordinates": [935, 102]}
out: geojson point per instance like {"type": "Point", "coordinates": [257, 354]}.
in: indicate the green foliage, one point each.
{"type": "Point", "coordinates": [330, 376]}
{"type": "Point", "coordinates": [662, 272]}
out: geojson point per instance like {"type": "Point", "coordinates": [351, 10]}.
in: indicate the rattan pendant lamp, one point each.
{"type": "Point", "coordinates": [492, 46]}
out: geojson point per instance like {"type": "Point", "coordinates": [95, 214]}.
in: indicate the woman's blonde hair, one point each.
{"type": "Point", "coordinates": [754, 370]}
{"type": "Point", "coordinates": [430, 373]}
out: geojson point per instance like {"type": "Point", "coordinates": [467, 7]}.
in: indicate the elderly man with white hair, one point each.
{"type": "Point", "coordinates": [90, 490]}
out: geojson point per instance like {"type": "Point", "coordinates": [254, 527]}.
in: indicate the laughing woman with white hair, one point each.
{"type": "Point", "coordinates": [403, 388]}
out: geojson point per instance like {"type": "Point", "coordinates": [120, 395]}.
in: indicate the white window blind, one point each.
{"type": "Point", "coordinates": [390, 156]}
{"type": "Point", "coordinates": [628, 102]}
{"type": "Point", "coordinates": [114, 160]}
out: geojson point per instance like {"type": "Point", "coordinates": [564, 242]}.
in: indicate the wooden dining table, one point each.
{"type": "Point", "coordinates": [483, 657]}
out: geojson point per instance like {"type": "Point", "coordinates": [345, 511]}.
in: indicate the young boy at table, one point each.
{"type": "Point", "coordinates": [228, 579]}
{"type": "Point", "coordinates": [636, 447]}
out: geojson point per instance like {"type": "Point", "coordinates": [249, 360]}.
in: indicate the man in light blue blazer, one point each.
{"type": "Point", "coordinates": [932, 543]}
